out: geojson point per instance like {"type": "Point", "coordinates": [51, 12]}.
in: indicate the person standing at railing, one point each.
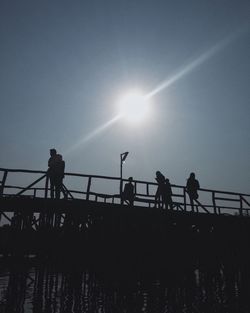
{"type": "Point", "coordinates": [167, 195]}
{"type": "Point", "coordinates": [128, 192]}
{"type": "Point", "coordinates": [56, 173]}
{"type": "Point", "coordinates": [192, 189]}
{"type": "Point", "coordinates": [159, 196]}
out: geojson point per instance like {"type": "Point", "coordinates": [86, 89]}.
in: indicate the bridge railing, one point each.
{"type": "Point", "coordinates": [35, 184]}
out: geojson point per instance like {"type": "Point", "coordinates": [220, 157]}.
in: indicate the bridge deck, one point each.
{"type": "Point", "coordinates": [97, 220]}
{"type": "Point", "coordinates": [24, 197]}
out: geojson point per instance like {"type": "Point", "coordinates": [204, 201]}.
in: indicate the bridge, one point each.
{"type": "Point", "coordinates": [93, 208]}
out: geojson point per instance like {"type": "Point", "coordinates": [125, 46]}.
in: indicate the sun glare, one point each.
{"type": "Point", "coordinates": [134, 106]}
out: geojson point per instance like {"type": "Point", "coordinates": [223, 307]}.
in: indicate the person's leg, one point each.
{"type": "Point", "coordinates": [58, 187]}
{"type": "Point", "coordinates": [170, 202]}
{"type": "Point", "coordinates": [157, 196]}
{"type": "Point", "coordinates": [131, 201]}
{"type": "Point", "coordinates": [164, 202]}
{"type": "Point", "coordinates": [52, 187]}
{"type": "Point", "coordinates": [192, 203]}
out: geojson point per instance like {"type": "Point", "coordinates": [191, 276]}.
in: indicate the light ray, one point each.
{"type": "Point", "coordinates": [94, 133]}
{"type": "Point", "coordinates": [166, 83]}
{"type": "Point", "coordinates": [194, 64]}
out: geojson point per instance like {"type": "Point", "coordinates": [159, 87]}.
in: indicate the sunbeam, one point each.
{"type": "Point", "coordinates": [187, 69]}
{"type": "Point", "coordinates": [94, 133]}
{"type": "Point", "coordinates": [198, 61]}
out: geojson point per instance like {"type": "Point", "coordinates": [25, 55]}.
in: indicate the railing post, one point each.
{"type": "Point", "coordinates": [46, 187]}
{"type": "Point", "coordinates": [214, 202]}
{"type": "Point", "coordinates": [184, 199]}
{"type": "Point", "coordinates": [241, 207]}
{"type": "Point", "coordinates": [121, 190]}
{"type": "Point", "coordinates": [88, 188]}
{"type": "Point", "coordinates": [3, 183]}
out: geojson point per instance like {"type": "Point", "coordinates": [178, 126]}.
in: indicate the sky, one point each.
{"type": "Point", "coordinates": [64, 64]}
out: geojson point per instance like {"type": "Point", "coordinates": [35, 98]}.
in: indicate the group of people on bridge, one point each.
{"type": "Point", "coordinates": [163, 196]}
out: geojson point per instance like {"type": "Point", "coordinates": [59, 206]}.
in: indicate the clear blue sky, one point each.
{"type": "Point", "coordinates": [62, 64]}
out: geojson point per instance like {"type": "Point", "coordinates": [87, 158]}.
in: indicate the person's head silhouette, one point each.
{"type": "Point", "coordinates": [52, 152]}
{"type": "Point", "coordinates": [192, 175]}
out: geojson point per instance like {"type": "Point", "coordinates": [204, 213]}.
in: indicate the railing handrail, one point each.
{"type": "Point", "coordinates": [118, 178]}
{"type": "Point", "coordinates": [138, 199]}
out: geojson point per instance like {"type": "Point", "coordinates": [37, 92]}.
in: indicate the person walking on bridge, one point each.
{"type": "Point", "coordinates": [159, 196]}
{"type": "Point", "coordinates": [55, 173]}
{"type": "Point", "coordinates": [192, 188]}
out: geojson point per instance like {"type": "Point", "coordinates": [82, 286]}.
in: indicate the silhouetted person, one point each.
{"type": "Point", "coordinates": [167, 195]}
{"type": "Point", "coordinates": [159, 196]}
{"type": "Point", "coordinates": [56, 173]}
{"type": "Point", "coordinates": [192, 188]}
{"type": "Point", "coordinates": [128, 192]}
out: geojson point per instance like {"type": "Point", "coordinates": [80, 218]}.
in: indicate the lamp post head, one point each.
{"type": "Point", "coordinates": [124, 156]}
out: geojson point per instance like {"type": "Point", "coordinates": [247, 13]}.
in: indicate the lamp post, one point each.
{"type": "Point", "coordinates": [123, 157]}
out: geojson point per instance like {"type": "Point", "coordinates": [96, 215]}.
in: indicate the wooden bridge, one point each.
{"type": "Point", "coordinates": [13, 190]}
{"type": "Point", "coordinates": [87, 188]}
{"type": "Point", "coordinates": [93, 208]}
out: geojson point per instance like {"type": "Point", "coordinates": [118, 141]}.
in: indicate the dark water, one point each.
{"type": "Point", "coordinates": [48, 287]}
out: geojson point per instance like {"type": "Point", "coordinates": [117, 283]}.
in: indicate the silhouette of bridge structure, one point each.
{"type": "Point", "coordinates": [93, 208]}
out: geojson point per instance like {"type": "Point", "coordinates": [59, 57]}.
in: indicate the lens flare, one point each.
{"type": "Point", "coordinates": [134, 107]}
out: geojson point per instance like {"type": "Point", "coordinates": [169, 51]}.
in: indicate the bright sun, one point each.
{"type": "Point", "coordinates": [134, 106]}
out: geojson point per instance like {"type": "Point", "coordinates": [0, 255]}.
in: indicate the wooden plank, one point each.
{"type": "Point", "coordinates": [226, 199]}
{"type": "Point", "coordinates": [88, 188]}
{"type": "Point", "coordinates": [32, 184]}
{"type": "Point", "coordinates": [3, 182]}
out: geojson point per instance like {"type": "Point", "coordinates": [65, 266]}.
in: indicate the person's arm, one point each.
{"type": "Point", "coordinates": [49, 165]}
